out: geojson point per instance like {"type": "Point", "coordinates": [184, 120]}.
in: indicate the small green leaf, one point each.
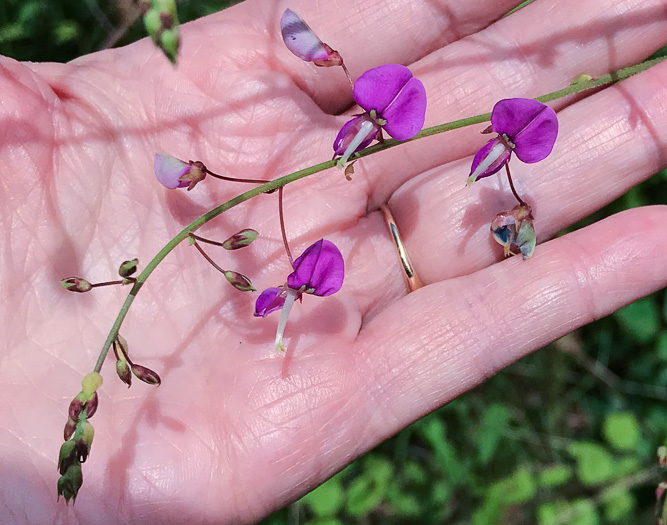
{"type": "Point", "coordinates": [517, 488]}
{"type": "Point", "coordinates": [555, 476]}
{"type": "Point", "coordinates": [621, 430]}
{"type": "Point", "coordinates": [367, 492]}
{"type": "Point", "coordinates": [618, 504]}
{"type": "Point", "coordinates": [577, 512]}
{"type": "Point", "coordinates": [495, 421]}
{"type": "Point", "coordinates": [594, 464]}
{"type": "Point", "coordinates": [661, 346]}
{"type": "Point", "coordinates": [327, 499]}
{"type": "Point", "coordinates": [640, 319]}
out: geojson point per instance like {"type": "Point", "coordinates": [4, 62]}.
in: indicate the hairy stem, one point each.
{"type": "Point", "coordinates": [275, 184]}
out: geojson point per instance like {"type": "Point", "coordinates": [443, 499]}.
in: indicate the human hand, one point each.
{"type": "Point", "coordinates": [236, 431]}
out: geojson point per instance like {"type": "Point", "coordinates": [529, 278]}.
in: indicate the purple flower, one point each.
{"type": "Point", "coordinates": [173, 173]}
{"type": "Point", "coordinates": [304, 43]}
{"type": "Point", "coordinates": [394, 100]}
{"type": "Point", "coordinates": [318, 271]}
{"type": "Point", "coordinates": [524, 126]}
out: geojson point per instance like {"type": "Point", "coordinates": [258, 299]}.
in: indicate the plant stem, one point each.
{"type": "Point", "coordinates": [509, 177]}
{"type": "Point", "coordinates": [282, 227]}
{"type": "Point", "coordinates": [211, 261]}
{"type": "Point", "coordinates": [275, 184]}
{"type": "Point", "coordinates": [207, 241]}
{"type": "Point", "coordinates": [234, 179]}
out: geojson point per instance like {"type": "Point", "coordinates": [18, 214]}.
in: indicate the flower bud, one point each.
{"type": "Point", "coordinates": [662, 456]}
{"type": "Point", "coordinates": [146, 375]}
{"type": "Point", "coordinates": [76, 284]}
{"type": "Point", "coordinates": [90, 384]}
{"type": "Point", "coordinates": [514, 229]}
{"type": "Point", "coordinates": [240, 239]}
{"type": "Point", "coordinates": [66, 456]}
{"type": "Point", "coordinates": [84, 442]}
{"type": "Point", "coordinates": [122, 346]}
{"type": "Point", "coordinates": [124, 372]}
{"type": "Point", "coordinates": [128, 268]}
{"type": "Point", "coordinates": [239, 281]}
{"type": "Point", "coordinates": [76, 406]}
{"type": "Point", "coordinates": [70, 427]}
{"type": "Point", "coordinates": [70, 482]}
{"type": "Point", "coordinates": [161, 23]}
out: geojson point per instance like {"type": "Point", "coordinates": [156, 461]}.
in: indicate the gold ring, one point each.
{"type": "Point", "coordinates": [412, 280]}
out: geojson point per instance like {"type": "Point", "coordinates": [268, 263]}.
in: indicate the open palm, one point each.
{"type": "Point", "coordinates": [236, 431]}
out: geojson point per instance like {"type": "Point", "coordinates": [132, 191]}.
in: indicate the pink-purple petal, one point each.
{"type": "Point", "coordinates": [535, 141]}
{"type": "Point", "coordinates": [269, 301]}
{"type": "Point", "coordinates": [300, 38]}
{"type": "Point", "coordinates": [169, 170]}
{"type": "Point", "coordinates": [529, 124]}
{"type": "Point", "coordinates": [320, 269]}
{"type": "Point", "coordinates": [378, 87]}
{"type": "Point", "coordinates": [496, 165]}
{"type": "Point", "coordinates": [349, 131]}
{"type": "Point", "coordinates": [405, 114]}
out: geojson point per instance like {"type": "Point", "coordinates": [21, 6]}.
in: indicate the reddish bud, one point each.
{"type": "Point", "coordinates": [239, 281]}
{"type": "Point", "coordinates": [76, 284]}
{"type": "Point", "coordinates": [128, 268]}
{"type": "Point", "coordinates": [70, 427]}
{"type": "Point", "coordinates": [146, 375]}
{"type": "Point", "coordinates": [662, 456]}
{"type": "Point", "coordinates": [240, 239]}
{"type": "Point", "coordinates": [75, 407]}
{"type": "Point", "coordinates": [124, 372]}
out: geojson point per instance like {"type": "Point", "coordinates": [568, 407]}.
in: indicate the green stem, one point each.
{"type": "Point", "coordinates": [273, 185]}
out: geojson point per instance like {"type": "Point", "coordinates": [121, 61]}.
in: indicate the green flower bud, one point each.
{"type": "Point", "coordinates": [239, 281]}
{"type": "Point", "coordinates": [128, 268]}
{"type": "Point", "coordinates": [76, 284]}
{"type": "Point", "coordinates": [66, 456]}
{"type": "Point", "coordinates": [124, 372]}
{"type": "Point", "coordinates": [70, 482]}
{"type": "Point", "coordinates": [161, 21]}
{"type": "Point", "coordinates": [84, 442]}
{"type": "Point", "coordinates": [90, 384]}
{"type": "Point", "coordinates": [240, 239]}
{"type": "Point", "coordinates": [146, 375]}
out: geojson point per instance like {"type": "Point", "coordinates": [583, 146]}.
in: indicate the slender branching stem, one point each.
{"type": "Point", "coordinates": [509, 178]}
{"type": "Point", "coordinates": [282, 227]}
{"type": "Point", "coordinates": [270, 186]}
{"type": "Point", "coordinates": [201, 250]}
{"type": "Point", "coordinates": [207, 241]}
{"type": "Point", "coordinates": [234, 179]}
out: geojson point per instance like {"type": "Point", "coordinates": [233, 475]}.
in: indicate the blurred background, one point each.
{"type": "Point", "coordinates": [567, 436]}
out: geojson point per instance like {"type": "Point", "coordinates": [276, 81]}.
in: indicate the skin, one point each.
{"type": "Point", "coordinates": [237, 431]}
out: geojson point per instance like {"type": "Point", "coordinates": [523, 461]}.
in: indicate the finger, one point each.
{"type": "Point", "coordinates": [537, 50]}
{"type": "Point", "coordinates": [607, 144]}
{"type": "Point", "coordinates": [368, 34]}
{"type": "Point", "coordinates": [448, 337]}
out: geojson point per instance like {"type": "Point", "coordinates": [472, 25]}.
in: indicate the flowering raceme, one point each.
{"type": "Point", "coordinates": [524, 126]}
{"type": "Point", "coordinates": [394, 100]}
{"type": "Point", "coordinates": [318, 271]}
